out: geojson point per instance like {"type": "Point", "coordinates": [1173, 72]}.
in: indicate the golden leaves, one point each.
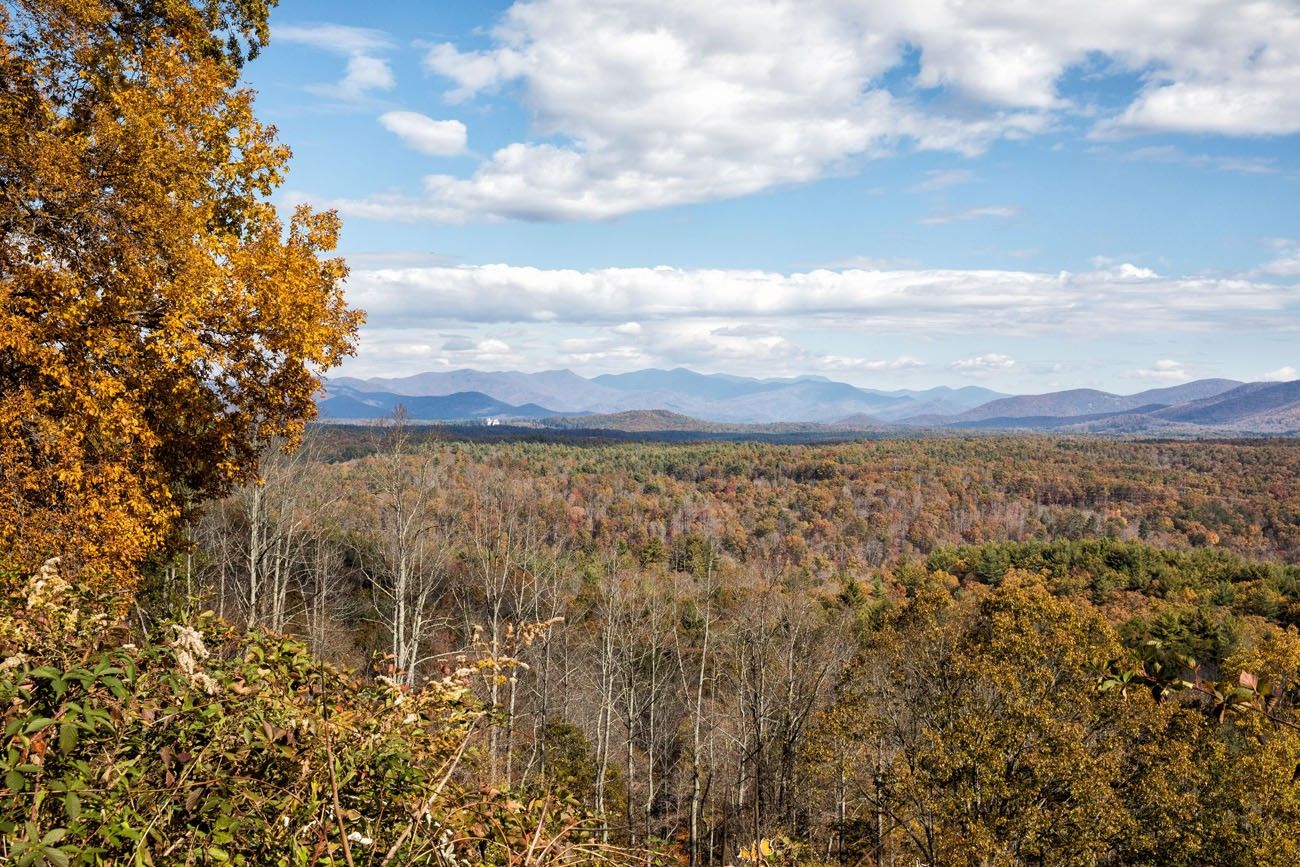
{"type": "Point", "coordinates": [158, 324]}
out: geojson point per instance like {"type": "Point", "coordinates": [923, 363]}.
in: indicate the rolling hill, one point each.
{"type": "Point", "coordinates": [1087, 401]}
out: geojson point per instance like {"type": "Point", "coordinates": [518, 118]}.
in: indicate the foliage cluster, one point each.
{"type": "Point", "coordinates": [872, 502]}
{"type": "Point", "coordinates": [158, 322]}
{"type": "Point", "coordinates": [1009, 726]}
{"type": "Point", "coordinates": [203, 745]}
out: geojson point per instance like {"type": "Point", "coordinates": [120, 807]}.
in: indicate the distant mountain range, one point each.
{"type": "Point", "coordinates": [681, 399]}
{"type": "Point", "coordinates": [711, 397]}
{"type": "Point", "coordinates": [463, 405]}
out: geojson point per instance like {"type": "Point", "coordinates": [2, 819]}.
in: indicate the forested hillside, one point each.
{"type": "Point", "coordinates": [957, 651]}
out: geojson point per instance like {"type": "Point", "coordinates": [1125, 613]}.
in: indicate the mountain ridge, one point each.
{"type": "Point", "coordinates": [715, 397]}
{"type": "Point", "coordinates": [682, 399]}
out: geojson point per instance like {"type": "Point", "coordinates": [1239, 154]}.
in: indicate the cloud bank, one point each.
{"type": "Point", "coordinates": [1122, 299]}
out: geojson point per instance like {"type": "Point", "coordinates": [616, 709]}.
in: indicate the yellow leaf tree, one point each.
{"type": "Point", "coordinates": [158, 322]}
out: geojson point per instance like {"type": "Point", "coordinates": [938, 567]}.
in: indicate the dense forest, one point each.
{"type": "Point", "coordinates": [983, 650]}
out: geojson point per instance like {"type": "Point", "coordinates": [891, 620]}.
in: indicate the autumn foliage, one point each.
{"type": "Point", "coordinates": [204, 745]}
{"type": "Point", "coordinates": [953, 652]}
{"type": "Point", "coordinates": [158, 323]}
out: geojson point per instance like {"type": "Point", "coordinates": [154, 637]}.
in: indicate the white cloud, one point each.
{"type": "Point", "coordinates": [385, 207]}
{"type": "Point", "coordinates": [996, 211]}
{"type": "Point", "coordinates": [627, 328]}
{"type": "Point", "coordinates": [982, 365]}
{"type": "Point", "coordinates": [870, 263]}
{"type": "Point", "coordinates": [336, 38]}
{"type": "Point", "coordinates": [648, 105]}
{"type": "Point", "coordinates": [1287, 261]}
{"type": "Point", "coordinates": [1177, 156]}
{"type": "Point", "coordinates": [474, 71]}
{"type": "Point", "coordinates": [643, 105]}
{"type": "Point", "coordinates": [364, 73]}
{"type": "Point", "coordinates": [1165, 369]}
{"type": "Point", "coordinates": [439, 138]}
{"type": "Point", "coordinates": [401, 348]}
{"type": "Point", "coordinates": [757, 348]}
{"type": "Point", "coordinates": [942, 179]}
{"type": "Point", "coordinates": [1126, 298]}
{"type": "Point", "coordinates": [850, 363]}
{"type": "Point", "coordinates": [1282, 374]}
{"type": "Point", "coordinates": [1129, 272]}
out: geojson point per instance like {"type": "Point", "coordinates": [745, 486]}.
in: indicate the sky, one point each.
{"type": "Point", "coordinates": [1027, 195]}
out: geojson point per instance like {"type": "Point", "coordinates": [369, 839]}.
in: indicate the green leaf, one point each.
{"type": "Point", "coordinates": [67, 738]}
{"type": "Point", "coordinates": [37, 724]}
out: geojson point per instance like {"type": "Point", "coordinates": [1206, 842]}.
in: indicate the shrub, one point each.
{"type": "Point", "coordinates": [201, 745]}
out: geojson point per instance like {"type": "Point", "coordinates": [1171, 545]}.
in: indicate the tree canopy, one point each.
{"type": "Point", "coordinates": [159, 324]}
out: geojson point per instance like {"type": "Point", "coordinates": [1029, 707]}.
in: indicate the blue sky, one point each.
{"type": "Point", "coordinates": [1027, 196]}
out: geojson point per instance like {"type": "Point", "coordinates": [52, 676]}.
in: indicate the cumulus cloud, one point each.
{"type": "Point", "coordinates": [1282, 374]}
{"type": "Point", "coordinates": [365, 71]}
{"type": "Point", "coordinates": [982, 365]}
{"type": "Point", "coordinates": [363, 75]}
{"type": "Point", "coordinates": [401, 347]}
{"type": "Point", "coordinates": [440, 138]}
{"type": "Point", "coordinates": [1124, 298]}
{"type": "Point", "coordinates": [767, 323]}
{"type": "Point", "coordinates": [474, 71]}
{"type": "Point", "coordinates": [643, 105]}
{"type": "Point", "coordinates": [1165, 369]}
{"type": "Point", "coordinates": [759, 348]}
{"type": "Point", "coordinates": [706, 344]}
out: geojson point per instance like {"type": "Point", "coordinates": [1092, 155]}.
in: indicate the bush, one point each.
{"type": "Point", "coordinates": [201, 745]}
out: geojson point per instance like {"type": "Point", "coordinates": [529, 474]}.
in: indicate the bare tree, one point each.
{"type": "Point", "coordinates": [406, 571]}
{"type": "Point", "coordinates": [257, 537]}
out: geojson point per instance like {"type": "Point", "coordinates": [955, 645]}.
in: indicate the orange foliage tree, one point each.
{"type": "Point", "coordinates": [158, 323]}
